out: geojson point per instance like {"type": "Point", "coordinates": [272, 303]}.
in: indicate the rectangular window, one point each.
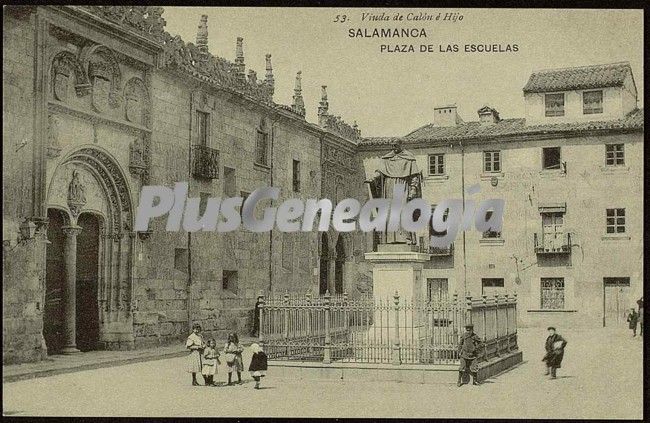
{"type": "Point", "coordinates": [262, 147]}
{"type": "Point", "coordinates": [552, 293]}
{"type": "Point", "coordinates": [437, 289]}
{"type": "Point", "coordinates": [296, 176]}
{"type": "Point", "coordinates": [490, 233]}
{"type": "Point", "coordinates": [202, 127]}
{"type": "Point", "coordinates": [592, 102]}
{"type": "Point", "coordinates": [229, 281]}
{"type": "Point", "coordinates": [436, 164]}
{"type": "Point", "coordinates": [614, 155]}
{"type": "Point", "coordinates": [491, 286]}
{"type": "Point", "coordinates": [229, 182]}
{"type": "Point", "coordinates": [433, 232]}
{"type": "Point", "coordinates": [615, 221]}
{"type": "Point", "coordinates": [492, 161]}
{"type": "Point", "coordinates": [551, 158]}
{"type": "Point", "coordinates": [554, 104]}
{"type": "Point", "coordinates": [180, 259]}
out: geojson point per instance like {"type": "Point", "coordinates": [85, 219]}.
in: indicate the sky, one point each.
{"type": "Point", "coordinates": [392, 94]}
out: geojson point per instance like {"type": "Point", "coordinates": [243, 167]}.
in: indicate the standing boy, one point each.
{"type": "Point", "coordinates": [468, 348]}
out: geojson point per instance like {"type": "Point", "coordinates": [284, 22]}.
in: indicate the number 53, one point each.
{"type": "Point", "coordinates": [340, 18]}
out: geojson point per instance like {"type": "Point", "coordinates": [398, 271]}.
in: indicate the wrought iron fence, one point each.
{"type": "Point", "coordinates": [391, 330]}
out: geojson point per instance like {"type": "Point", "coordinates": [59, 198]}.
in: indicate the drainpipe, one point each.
{"type": "Point", "coordinates": [462, 167]}
{"type": "Point", "coordinates": [189, 235]}
{"type": "Point", "coordinates": [271, 181]}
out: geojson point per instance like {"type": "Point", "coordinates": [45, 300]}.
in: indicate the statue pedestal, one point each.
{"type": "Point", "coordinates": [397, 267]}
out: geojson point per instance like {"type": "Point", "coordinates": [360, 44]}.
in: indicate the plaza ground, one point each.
{"type": "Point", "coordinates": [601, 377]}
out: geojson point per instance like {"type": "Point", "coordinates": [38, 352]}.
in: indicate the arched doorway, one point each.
{"type": "Point", "coordinates": [324, 264]}
{"type": "Point", "coordinates": [90, 261]}
{"type": "Point", "coordinates": [339, 263]}
{"type": "Point", "coordinates": [87, 309]}
{"type": "Point", "coordinates": [53, 309]}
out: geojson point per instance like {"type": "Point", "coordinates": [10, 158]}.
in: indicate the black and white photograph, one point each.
{"type": "Point", "coordinates": [339, 212]}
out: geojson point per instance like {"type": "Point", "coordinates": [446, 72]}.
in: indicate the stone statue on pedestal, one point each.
{"type": "Point", "coordinates": [397, 167]}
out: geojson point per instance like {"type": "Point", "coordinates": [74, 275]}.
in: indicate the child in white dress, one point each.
{"type": "Point", "coordinates": [196, 345]}
{"type": "Point", "coordinates": [210, 362]}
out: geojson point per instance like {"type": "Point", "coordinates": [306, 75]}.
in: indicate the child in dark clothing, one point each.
{"type": "Point", "coordinates": [258, 364]}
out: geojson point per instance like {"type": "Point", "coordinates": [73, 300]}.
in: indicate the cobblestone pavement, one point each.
{"type": "Point", "coordinates": [601, 377]}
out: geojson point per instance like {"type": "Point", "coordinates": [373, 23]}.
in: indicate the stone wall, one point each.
{"type": "Point", "coordinates": [22, 261]}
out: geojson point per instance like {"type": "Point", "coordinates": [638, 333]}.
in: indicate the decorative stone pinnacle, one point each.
{"type": "Point", "coordinates": [269, 74]}
{"type": "Point", "coordinates": [202, 35]}
{"type": "Point", "coordinates": [239, 58]}
{"type": "Point", "coordinates": [252, 76]}
{"type": "Point", "coordinates": [323, 106]}
{"type": "Point", "coordinates": [298, 105]}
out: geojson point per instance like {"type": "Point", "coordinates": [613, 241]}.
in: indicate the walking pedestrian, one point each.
{"type": "Point", "coordinates": [233, 357]}
{"type": "Point", "coordinates": [256, 318]}
{"type": "Point", "coordinates": [632, 319]}
{"type": "Point", "coordinates": [258, 364]}
{"type": "Point", "coordinates": [468, 348]}
{"type": "Point", "coordinates": [210, 362]}
{"type": "Point", "coordinates": [196, 346]}
{"type": "Point", "coordinates": [555, 344]}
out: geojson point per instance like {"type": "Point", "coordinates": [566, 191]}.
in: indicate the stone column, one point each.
{"type": "Point", "coordinates": [70, 290]}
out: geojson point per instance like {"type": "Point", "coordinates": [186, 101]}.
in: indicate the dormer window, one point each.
{"type": "Point", "coordinates": [592, 102]}
{"type": "Point", "coordinates": [554, 104]}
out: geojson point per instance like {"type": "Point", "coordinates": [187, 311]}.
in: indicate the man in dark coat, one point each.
{"type": "Point", "coordinates": [469, 346]}
{"type": "Point", "coordinates": [632, 319]}
{"type": "Point", "coordinates": [554, 352]}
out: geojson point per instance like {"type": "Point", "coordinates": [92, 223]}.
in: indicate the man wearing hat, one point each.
{"type": "Point", "coordinates": [554, 352]}
{"type": "Point", "coordinates": [468, 348]}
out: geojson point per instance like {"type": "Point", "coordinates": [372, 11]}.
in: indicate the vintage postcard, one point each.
{"type": "Point", "coordinates": [323, 212]}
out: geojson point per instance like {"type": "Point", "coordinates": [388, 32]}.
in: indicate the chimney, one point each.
{"type": "Point", "coordinates": [488, 116]}
{"type": "Point", "coordinates": [446, 116]}
{"type": "Point", "coordinates": [202, 35]}
{"type": "Point", "coordinates": [269, 74]}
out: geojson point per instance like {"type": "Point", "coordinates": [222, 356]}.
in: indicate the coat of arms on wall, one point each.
{"type": "Point", "coordinates": [76, 194]}
{"type": "Point", "coordinates": [105, 77]}
{"type": "Point", "coordinates": [64, 66]}
{"type": "Point", "coordinates": [137, 102]}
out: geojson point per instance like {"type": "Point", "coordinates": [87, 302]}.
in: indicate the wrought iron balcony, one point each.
{"type": "Point", "coordinates": [441, 251]}
{"type": "Point", "coordinates": [205, 162]}
{"type": "Point", "coordinates": [559, 243]}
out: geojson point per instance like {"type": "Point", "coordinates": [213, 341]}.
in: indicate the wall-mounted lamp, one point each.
{"type": "Point", "coordinates": [27, 230]}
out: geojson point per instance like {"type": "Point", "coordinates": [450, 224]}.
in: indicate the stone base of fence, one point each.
{"type": "Point", "coordinates": [370, 372]}
{"type": "Point", "coordinates": [498, 365]}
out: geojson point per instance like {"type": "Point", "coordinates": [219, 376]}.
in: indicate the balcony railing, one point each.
{"type": "Point", "coordinates": [205, 162]}
{"type": "Point", "coordinates": [442, 251]}
{"type": "Point", "coordinates": [559, 243]}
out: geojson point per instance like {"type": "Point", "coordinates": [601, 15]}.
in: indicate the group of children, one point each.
{"type": "Point", "coordinates": [204, 358]}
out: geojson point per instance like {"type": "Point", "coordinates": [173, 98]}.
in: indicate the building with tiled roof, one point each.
{"type": "Point", "coordinates": [579, 78]}
{"type": "Point", "coordinates": [570, 172]}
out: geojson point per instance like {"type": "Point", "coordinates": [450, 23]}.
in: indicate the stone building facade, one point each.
{"type": "Point", "coordinates": [571, 175]}
{"type": "Point", "coordinates": [100, 101]}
